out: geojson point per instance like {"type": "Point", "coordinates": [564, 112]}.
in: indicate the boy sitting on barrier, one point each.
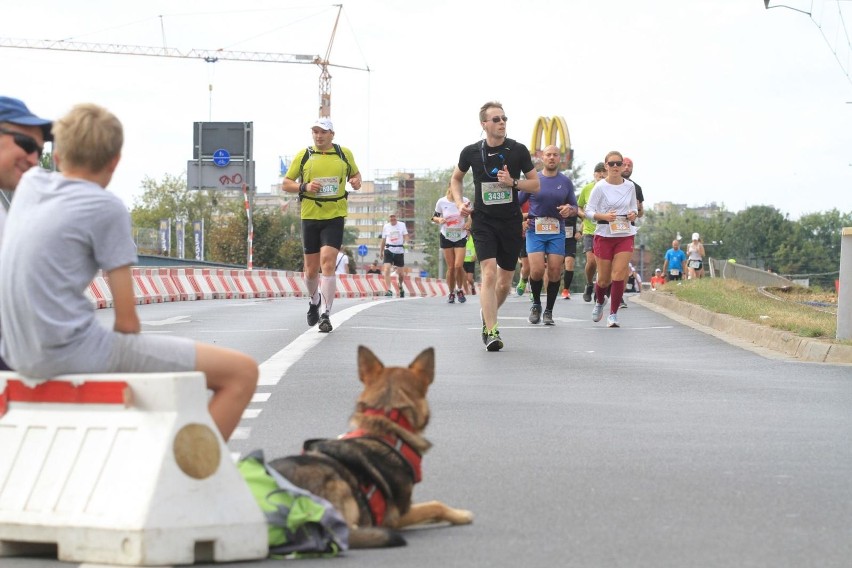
{"type": "Point", "coordinates": [64, 227]}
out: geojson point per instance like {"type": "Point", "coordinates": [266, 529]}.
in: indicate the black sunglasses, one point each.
{"type": "Point", "coordinates": [496, 119]}
{"type": "Point", "coordinates": [26, 143]}
{"type": "Point", "coordinates": [617, 164]}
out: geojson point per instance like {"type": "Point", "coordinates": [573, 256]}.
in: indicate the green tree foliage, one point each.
{"type": "Point", "coordinates": [429, 191]}
{"type": "Point", "coordinates": [170, 198]}
{"type": "Point", "coordinates": [277, 242]}
{"type": "Point", "coordinates": [756, 233]}
{"type": "Point", "coordinates": [760, 236]}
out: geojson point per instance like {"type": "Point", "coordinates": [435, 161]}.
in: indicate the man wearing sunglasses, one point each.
{"type": "Point", "coordinates": [22, 137]}
{"type": "Point", "coordinates": [497, 163]}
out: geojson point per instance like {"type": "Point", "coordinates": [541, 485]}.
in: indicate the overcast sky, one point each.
{"type": "Point", "coordinates": [715, 100]}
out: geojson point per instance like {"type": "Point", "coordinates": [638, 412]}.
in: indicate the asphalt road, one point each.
{"type": "Point", "coordinates": [651, 445]}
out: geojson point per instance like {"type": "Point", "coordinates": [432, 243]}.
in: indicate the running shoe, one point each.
{"type": "Point", "coordinates": [535, 313]}
{"type": "Point", "coordinates": [451, 299]}
{"type": "Point", "coordinates": [597, 312]}
{"type": "Point", "coordinates": [460, 294]}
{"type": "Point", "coordinates": [401, 292]}
{"type": "Point", "coordinates": [612, 320]}
{"type": "Point", "coordinates": [566, 295]}
{"type": "Point", "coordinates": [313, 313]}
{"type": "Point", "coordinates": [587, 293]}
{"type": "Point", "coordinates": [388, 294]}
{"type": "Point", "coordinates": [494, 343]}
{"type": "Point", "coordinates": [484, 331]}
{"type": "Point", "coordinates": [623, 304]}
{"type": "Point", "coordinates": [325, 323]}
{"type": "Point", "coordinates": [522, 285]}
{"type": "Point", "coordinates": [547, 318]}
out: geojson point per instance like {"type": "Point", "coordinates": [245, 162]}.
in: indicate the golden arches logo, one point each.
{"type": "Point", "coordinates": [546, 132]}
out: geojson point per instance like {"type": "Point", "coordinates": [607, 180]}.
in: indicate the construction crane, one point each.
{"type": "Point", "coordinates": [208, 55]}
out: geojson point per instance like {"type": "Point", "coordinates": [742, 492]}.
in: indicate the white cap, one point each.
{"type": "Point", "coordinates": [694, 236]}
{"type": "Point", "coordinates": [324, 123]}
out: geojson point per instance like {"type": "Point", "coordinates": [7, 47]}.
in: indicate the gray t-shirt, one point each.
{"type": "Point", "coordinates": [58, 234]}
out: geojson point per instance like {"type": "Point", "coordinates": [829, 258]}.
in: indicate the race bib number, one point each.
{"type": "Point", "coordinates": [394, 239]}
{"type": "Point", "coordinates": [696, 264]}
{"type": "Point", "coordinates": [620, 226]}
{"type": "Point", "coordinates": [454, 234]}
{"type": "Point", "coordinates": [495, 194]}
{"type": "Point", "coordinates": [674, 271]}
{"type": "Point", "coordinates": [546, 226]}
{"type": "Point", "coordinates": [330, 185]}
{"type": "Point", "coordinates": [569, 232]}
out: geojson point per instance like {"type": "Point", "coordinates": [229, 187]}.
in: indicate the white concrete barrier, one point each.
{"type": "Point", "coordinates": [182, 283]}
{"type": "Point", "coordinates": [124, 469]}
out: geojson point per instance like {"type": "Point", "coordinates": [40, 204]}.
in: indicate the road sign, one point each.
{"type": "Point", "coordinates": [362, 250]}
{"type": "Point", "coordinates": [205, 175]}
{"type": "Point", "coordinates": [221, 157]}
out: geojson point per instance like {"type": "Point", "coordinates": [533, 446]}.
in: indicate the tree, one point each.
{"type": "Point", "coordinates": [813, 247]}
{"type": "Point", "coordinates": [171, 199]}
{"type": "Point", "coordinates": [758, 232]}
{"type": "Point", "coordinates": [276, 240]}
{"type": "Point", "coordinates": [429, 191]}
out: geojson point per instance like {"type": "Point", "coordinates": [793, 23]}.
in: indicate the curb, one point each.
{"type": "Point", "coordinates": [801, 348]}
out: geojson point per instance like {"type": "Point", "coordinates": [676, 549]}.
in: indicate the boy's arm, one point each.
{"type": "Point", "coordinates": [124, 301]}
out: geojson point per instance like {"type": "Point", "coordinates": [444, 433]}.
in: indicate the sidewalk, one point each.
{"type": "Point", "coordinates": [801, 348]}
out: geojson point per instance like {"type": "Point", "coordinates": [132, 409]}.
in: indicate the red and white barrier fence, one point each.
{"type": "Point", "coordinates": [155, 285]}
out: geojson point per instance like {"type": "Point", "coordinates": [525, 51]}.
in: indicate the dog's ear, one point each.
{"type": "Point", "coordinates": [369, 365]}
{"type": "Point", "coordinates": [424, 364]}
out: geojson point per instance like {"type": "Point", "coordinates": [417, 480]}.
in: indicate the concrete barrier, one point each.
{"type": "Point", "coordinates": [120, 469]}
{"type": "Point", "coordinates": [185, 287]}
{"type": "Point", "coordinates": [152, 285]}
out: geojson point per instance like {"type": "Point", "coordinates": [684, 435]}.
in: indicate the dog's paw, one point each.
{"type": "Point", "coordinates": [460, 517]}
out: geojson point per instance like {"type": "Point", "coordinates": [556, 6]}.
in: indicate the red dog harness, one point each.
{"type": "Point", "coordinates": [376, 500]}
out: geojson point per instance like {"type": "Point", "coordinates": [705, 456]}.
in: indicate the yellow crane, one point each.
{"type": "Point", "coordinates": [208, 55]}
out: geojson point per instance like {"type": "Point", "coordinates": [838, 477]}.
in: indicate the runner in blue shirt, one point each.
{"type": "Point", "coordinates": [674, 263]}
{"type": "Point", "coordinates": [545, 229]}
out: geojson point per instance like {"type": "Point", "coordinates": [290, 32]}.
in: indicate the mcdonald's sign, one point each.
{"type": "Point", "coordinates": [546, 132]}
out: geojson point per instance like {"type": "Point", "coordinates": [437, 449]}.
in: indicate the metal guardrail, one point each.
{"type": "Point", "coordinates": [150, 260]}
{"type": "Point", "coordinates": [747, 274]}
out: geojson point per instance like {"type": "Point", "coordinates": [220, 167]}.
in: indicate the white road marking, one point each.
{"type": "Point", "coordinates": [392, 328]}
{"type": "Point", "coordinates": [245, 330]}
{"type": "Point", "coordinates": [168, 321]}
{"type": "Point", "coordinates": [273, 369]}
{"type": "Point", "coordinates": [249, 413]}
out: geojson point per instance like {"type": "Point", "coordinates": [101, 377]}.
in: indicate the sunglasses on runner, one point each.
{"type": "Point", "coordinates": [496, 119]}
{"type": "Point", "coordinates": [617, 164]}
{"type": "Point", "coordinates": [26, 143]}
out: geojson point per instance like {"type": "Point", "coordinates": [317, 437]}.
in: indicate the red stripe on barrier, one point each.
{"type": "Point", "coordinates": [95, 392]}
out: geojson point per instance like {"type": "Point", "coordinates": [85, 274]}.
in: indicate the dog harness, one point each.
{"type": "Point", "coordinates": [376, 500]}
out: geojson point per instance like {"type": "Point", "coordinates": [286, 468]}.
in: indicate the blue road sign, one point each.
{"type": "Point", "coordinates": [362, 250]}
{"type": "Point", "coordinates": [221, 157]}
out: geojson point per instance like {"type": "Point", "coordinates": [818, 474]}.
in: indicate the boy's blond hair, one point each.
{"type": "Point", "coordinates": [89, 137]}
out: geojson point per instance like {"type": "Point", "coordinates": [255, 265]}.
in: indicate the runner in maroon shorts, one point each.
{"type": "Point", "coordinates": [613, 206]}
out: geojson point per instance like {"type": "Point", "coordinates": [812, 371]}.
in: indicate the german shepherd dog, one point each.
{"type": "Point", "coordinates": [369, 473]}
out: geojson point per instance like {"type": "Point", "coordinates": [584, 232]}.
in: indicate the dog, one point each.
{"type": "Point", "coordinates": [369, 473]}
